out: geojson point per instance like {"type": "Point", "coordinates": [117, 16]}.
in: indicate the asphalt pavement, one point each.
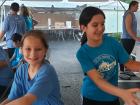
{"type": "Point", "coordinates": [62, 55]}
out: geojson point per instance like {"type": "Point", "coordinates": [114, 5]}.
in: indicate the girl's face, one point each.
{"type": "Point", "coordinates": [33, 50]}
{"type": "Point", "coordinates": [95, 28]}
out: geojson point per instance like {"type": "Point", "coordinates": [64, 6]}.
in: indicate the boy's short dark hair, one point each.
{"type": "Point", "coordinates": [133, 3]}
{"type": "Point", "coordinates": [15, 7]}
{"type": "Point", "coordinates": [16, 37]}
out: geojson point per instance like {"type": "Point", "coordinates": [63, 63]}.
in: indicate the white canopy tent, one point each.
{"type": "Point", "coordinates": [111, 4]}
{"type": "Point", "coordinates": [113, 9]}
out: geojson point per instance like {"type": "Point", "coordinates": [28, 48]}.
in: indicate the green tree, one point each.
{"type": "Point", "coordinates": [127, 1]}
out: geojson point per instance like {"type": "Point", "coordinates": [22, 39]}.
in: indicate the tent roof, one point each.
{"type": "Point", "coordinates": [111, 5]}
{"type": "Point", "coordinates": [106, 5]}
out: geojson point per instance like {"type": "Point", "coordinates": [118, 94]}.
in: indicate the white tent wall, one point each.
{"type": "Point", "coordinates": [137, 14]}
{"type": "Point", "coordinates": [113, 22]}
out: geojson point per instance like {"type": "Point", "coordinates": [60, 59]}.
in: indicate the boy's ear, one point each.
{"type": "Point", "coordinates": [46, 50]}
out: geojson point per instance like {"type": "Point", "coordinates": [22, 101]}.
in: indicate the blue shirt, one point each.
{"type": "Point", "coordinates": [104, 59]}
{"type": "Point", "coordinates": [6, 75]}
{"type": "Point", "coordinates": [44, 85]}
{"type": "Point", "coordinates": [17, 58]}
{"type": "Point", "coordinates": [29, 23]}
{"type": "Point", "coordinates": [13, 24]}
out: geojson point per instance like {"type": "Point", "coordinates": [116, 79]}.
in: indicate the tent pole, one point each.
{"type": "Point", "coordinates": [2, 3]}
{"type": "Point", "coordinates": [117, 18]}
{"type": "Point", "coordinates": [2, 7]}
{"type": "Point", "coordinates": [121, 5]}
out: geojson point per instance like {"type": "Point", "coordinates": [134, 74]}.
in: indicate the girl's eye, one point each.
{"type": "Point", "coordinates": [39, 49]}
{"type": "Point", "coordinates": [94, 25]}
{"type": "Point", "coordinates": [28, 49]}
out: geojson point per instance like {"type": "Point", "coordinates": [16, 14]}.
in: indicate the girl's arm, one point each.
{"type": "Point", "coordinates": [28, 99]}
{"type": "Point", "coordinates": [3, 64]}
{"type": "Point", "coordinates": [125, 94]}
{"type": "Point", "coordinates": [133, 65]}
{"type": "Point", "coordinates": [5, 102]}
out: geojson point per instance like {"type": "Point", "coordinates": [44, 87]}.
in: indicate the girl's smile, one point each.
{"type": "Point", "coordinates": [94, 30]}
{"type": "Point", "coordinates": [33, 50]}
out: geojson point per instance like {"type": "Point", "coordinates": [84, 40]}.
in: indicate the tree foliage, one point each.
{"type": "Point", "coordinates": [127, 1]}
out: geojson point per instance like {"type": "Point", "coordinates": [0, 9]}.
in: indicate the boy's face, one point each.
{"type": "Point", "coordinates": [95, 28]}
{"type": "Point", "coordinates": [136, 7]}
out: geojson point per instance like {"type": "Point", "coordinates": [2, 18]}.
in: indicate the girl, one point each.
{"type": "Point", "coordinates": [28, 20]}
{"type": "Point", "coordinates": [99, 58]}
{"type": "Point", "coordinates": [35, 82]}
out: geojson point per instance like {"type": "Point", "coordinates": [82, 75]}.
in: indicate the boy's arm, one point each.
{"type": "Point", "coordinates": [28, 99]}
{"type": "Point", "coordinates": [128, 24]}
{"type": "Point", "coordinates": [126, 95]}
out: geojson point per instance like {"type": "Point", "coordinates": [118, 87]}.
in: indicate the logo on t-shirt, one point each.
{"type": "Point", "coordinates": [106, 65]}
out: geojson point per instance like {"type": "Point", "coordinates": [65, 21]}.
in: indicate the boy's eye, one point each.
{"type": "Point", "coordinates": [103, 24]}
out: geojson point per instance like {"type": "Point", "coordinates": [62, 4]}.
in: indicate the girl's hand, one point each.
{"type": "Point", "coordinates": [129, 96]}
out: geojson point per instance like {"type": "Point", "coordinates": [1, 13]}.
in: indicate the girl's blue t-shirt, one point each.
{"type": "Point", "coordinates": [44, 85]}
{"type": "Point", "coordinates": [104, 59]}
{"type": "Point", "coordinates": [17, 59]}
{"type": "Point", "coordinates": [29, 23]}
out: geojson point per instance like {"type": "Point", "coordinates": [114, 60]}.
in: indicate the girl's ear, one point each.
{"type": "Point", "coordinates": [21, 50]}
{"type": "Point", "coordinates": [82, 27]}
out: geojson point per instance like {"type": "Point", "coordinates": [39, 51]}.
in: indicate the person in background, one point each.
{"type": "Point", "coordinates": [35, 82]}
{"type": "Point", "coordinates": [129, 33]}
{"type": "Point", "coordinates": [35, 22]}
{"type": "Point", "coordinates": [17, 57]}
{"type": "Point", "coordinates": [6, 74]}
{"type": "Point", "coordinates": [25, 13]}
{"type": "Point", "coordinates": [99, 57]}
{"type": "Point", "coordinates": [13, 23]}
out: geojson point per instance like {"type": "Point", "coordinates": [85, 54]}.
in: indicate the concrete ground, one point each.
{"type": "Point", "coordinates": [63, 58]}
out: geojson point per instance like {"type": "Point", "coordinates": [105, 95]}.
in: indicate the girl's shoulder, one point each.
{"type": "Point", "coordinates": [46, 66]}
{"type": "Point", "coordinates": [111, 41]}
{"type": "Point", "coordinates": [22, 69]}
{"type": "Point", "coordinates": [110, 38]}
